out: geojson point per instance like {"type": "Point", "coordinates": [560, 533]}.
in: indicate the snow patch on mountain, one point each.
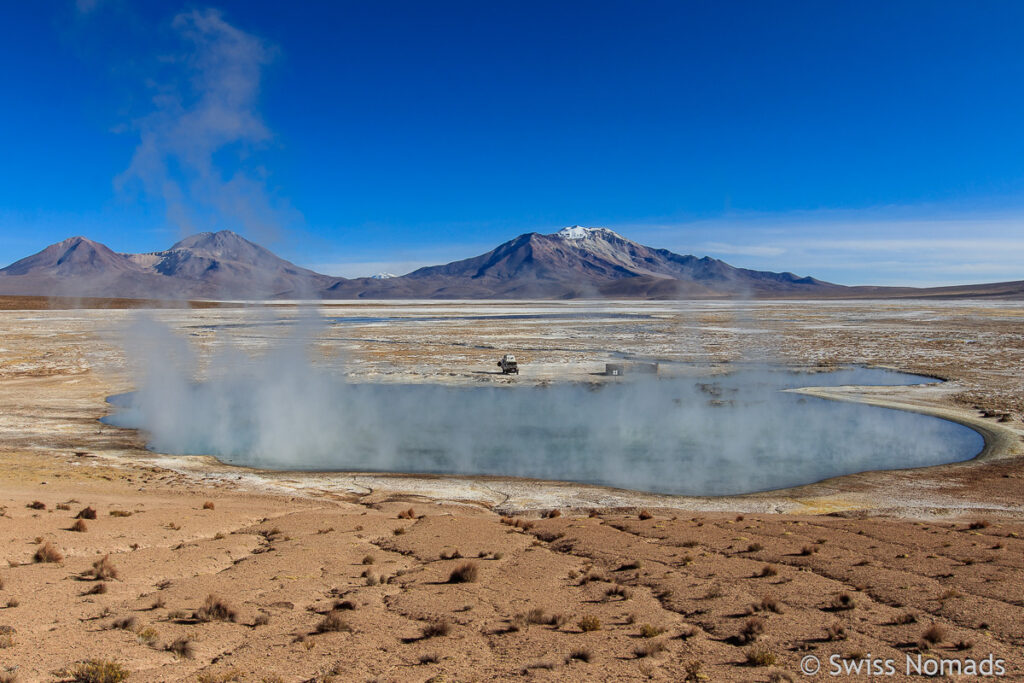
{"type": "Point", "coordinates": [577, 232]}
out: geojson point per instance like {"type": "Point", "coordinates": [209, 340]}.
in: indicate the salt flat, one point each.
{"type": "Point", "coordinates": [290, 545]}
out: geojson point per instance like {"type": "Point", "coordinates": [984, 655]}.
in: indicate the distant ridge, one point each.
{"type": "Point", "coordinates": [575, 262]}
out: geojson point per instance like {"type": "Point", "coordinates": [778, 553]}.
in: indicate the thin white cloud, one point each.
{"type": "Point", "coordinates": [742, 249]}
{"type": "Point", "coordinates": [367, 268]}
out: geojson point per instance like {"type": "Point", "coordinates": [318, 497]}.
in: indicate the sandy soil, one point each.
{"type": "Point", "coordinates": [856, 566]}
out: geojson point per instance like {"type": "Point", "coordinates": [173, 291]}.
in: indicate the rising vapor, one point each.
{"type": "Point", "coordinates": [684, 435]}
{"type": "Point", "coordinates": [195, 149]}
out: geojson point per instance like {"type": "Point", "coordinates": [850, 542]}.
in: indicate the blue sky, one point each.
{"type": "Point", "coordinates": [867, 142]}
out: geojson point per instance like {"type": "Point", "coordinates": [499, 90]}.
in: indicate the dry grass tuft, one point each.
{"type": "Point", "coordinates": [580, 654]}
{"type": "Point", "coordinates": [208, 505]}
{"type": "Point", "coordinates": [979, 524]}
{"type": "Point", "coordinates": [618, 591]}
{"type": "Point", "coordinates": [759, 655]}
{"type": "Point", "coordinates": [36, 505]}
{"type": "Point", "coordinates": [648, 631]}
{"type": "Point", "coordinates": [86, 513]}
{"type": "Point", "coordinates": [436, 629]}
{"type": "Point", "coordinates": [334, 622]}
{"type": "Point", "coordinates": [98, 589]}
{"type": "Point", "coordinates": [768, 571]}
{"type": "Point", "coordinates": [835, 632]}
{"type": "Point", "coordinates": [79, 526]}
{"type": "Point", "coordinates": [552, 514]}
{"type": "Point", "coordinates": [645, 514]}
{"type": "Point", "coordinates": [182, 647]}
{"type": "Point", "coordinates": [407, 514]}
{"type": "Point", "coordinates": [98, 671]}
{"type": "Point", "coordinates": [215, 609]}
{"type": "Point", "coordinates": [589, 623]}
{"type": "Point", "coordinates": [103, 569]}
{"type": "Point", "coordinates": [842, 602]}
{"type": "Point", "coordinates": [755, 547]}
{"type": "Point", "coordinates": [261, 619]}
{"type": "Point", "coordinates": [47, 552]}
{"type": "Point", "coordinates": [752, 629]}
{"type": "Point", "coordinates": [649, 649]}
{"type": "Point", "coordinates": [934, 634]}
{"type": "Point", "coordinates": [464, 573]}
{"type": "Point", "coordinates": [369, 559]}
{"type": "Point", "coordinates": [124, 623]}
{"type": "Point", "coordinates": [121, 513]}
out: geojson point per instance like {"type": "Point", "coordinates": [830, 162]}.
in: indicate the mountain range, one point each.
{"type": "Point", "coordinates": [572, 263]}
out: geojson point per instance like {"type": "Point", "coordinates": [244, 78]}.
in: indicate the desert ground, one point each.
{"type": "Point", "coordinates": [180, 568]}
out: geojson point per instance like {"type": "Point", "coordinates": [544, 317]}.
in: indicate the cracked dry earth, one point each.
{"type": "Point", "coordinates": [667, 593]}
{"type": "Point", "coordinates": [333, 581]}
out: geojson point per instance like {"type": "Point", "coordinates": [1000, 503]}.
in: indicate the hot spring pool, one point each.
{"type": "Point", "coordinates": [720, 435]}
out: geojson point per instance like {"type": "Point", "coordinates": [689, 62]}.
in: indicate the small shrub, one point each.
{"type": "Point", "coordinates": [369, 559]}
{"type": "Point", "coordinates": [208, 505]}
{"type": "Point", "coordinates": [399, 531]}
{"type": "Point", "coordinates": [63, 506]}
{"type": "Point", "coordinates": [581, 654]}
{"type": "Point", "coordinates": [429, 658]}
{"type": "Point", "coordinates": [645, 514]}
{"type": "Point", "coordinates": [182, 647]}
{"type": "Point", "coordinates": [372, 579]}
{"type": "Point", "coordinates": [347, 605]}
{"type": "Point", "coordinates": [262, 619]}
{"type": "Point", "coordinates": [36, 505]}
{"type": "Point", "coordinates": [978, 524]}
{"type": "Point", "coordinates": [755, 548]}
{"type": "Point", "coordinates": [80, 526]}
{"type": "Point", "coordinates": [768, 571]}
{"type": "Point", "coordinates": [905, 618]}
{"type": "Point", "coordinates": [158, 602]}
{"type": "Point", "coordinates": [98, 671]}
{"type": "Point", "coordinates": [334, 622]}
{"type": "Point", "coordinates": [964, 645]}
{"type": "Point", "coordinates": [589, 623]}
{"type": "Point", "coordinates": [124, 513]}
{"type": "Point", "coordinates": [635, 564]}
{"type": "Point", "coordinates": [47, 552]}
{"type": "Point", "coordinates": [465, 573]}
{"type": "Point", "coordinates": [437, 629]}
{"type": "Point", "coordinates": [452, 555]}
{"type": "Point", "coordinates": [86, 513]}
{"type": "Point", "coordinates": [97, 589]}
{"type": "Point", "coordinates": [649, 649]}
{"type": "Point", "coordinates": [694, 671]}
{"type": "Point", "coordinates": [13, 602]}
{"type": "Point", "coordinates": [552, 514]}
{"type": "Point", "coordinates": [934, 634]}
{"type": "Point", "coordinates": [407, 514]}
{"type": "Point", "coordinates": [759, 655]}
{"type": "Point", "coordinates": [215, 609]}
{"type": "Point", "coordinates": [808, 550]}
{"type": "Point", "coordinates": [752, 630]}
{"type": "Point", "coordinates": [648, 631]}
{"type": "Point", "coordinates": [593, 513]}
{"type": "Point", "coordinates": [103, 569]}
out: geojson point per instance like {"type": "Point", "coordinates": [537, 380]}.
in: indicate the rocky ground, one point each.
{"type": "Point", "coordinates": [371, 577]}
